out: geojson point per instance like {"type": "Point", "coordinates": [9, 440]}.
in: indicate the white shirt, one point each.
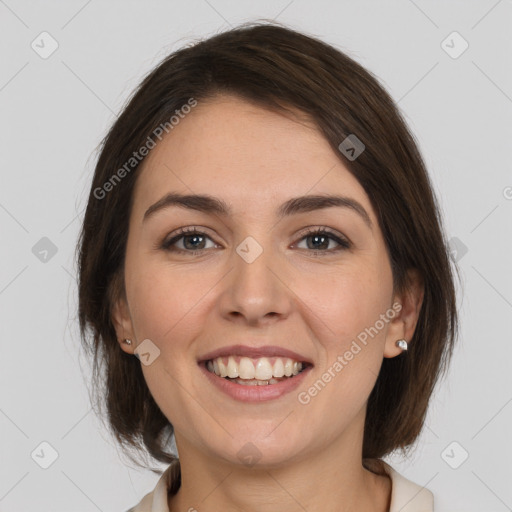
{"type": "Point", "coordinates": [406, 496]}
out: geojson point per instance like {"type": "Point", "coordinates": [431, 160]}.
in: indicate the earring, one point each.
{"type": "Point", "coordinates": [401, 344]}
{"type": "Point", "coordinates": [128, 342]}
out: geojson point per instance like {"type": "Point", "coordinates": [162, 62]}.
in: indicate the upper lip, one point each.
{"type": "Point", "coordinates": [254, 352]}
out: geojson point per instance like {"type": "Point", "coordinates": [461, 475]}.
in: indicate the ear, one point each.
{"type": "Point", "coordinates": [123, 325]}
{"type": "Point", "coordinates": [403, 325]}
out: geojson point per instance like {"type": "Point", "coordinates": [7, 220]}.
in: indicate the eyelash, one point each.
{"type": "Point", "coordinates": [189, 231]}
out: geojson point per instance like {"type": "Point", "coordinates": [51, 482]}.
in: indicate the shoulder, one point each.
{"type": "Point", "coordinates": [144, 505]}
{"type": "Point", "coordinates": [156, 500]}
{"type": "Point", "coordinates": [407, 496]}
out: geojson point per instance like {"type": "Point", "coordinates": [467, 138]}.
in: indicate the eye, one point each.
{"type": "Point", "coordinates": [192, 241]}
{"type": "Point", "coordinates": [320, 240]}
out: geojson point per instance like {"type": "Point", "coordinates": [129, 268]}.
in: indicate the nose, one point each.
{"type": "Point", "coordinates": [255, 291]}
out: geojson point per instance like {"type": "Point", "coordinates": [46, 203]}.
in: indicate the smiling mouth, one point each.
{"type": "Point", "coordinates": [262, 371]}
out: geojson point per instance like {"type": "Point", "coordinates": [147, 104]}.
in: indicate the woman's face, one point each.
{"type": "Point", "coordinates": [254, 277]}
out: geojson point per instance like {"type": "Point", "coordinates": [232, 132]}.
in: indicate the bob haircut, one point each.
{"type": "Point", "coordinates": [279, 69]}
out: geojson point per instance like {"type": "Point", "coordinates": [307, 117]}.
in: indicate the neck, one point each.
{"type": "Point", "coordinates": [331, 479]}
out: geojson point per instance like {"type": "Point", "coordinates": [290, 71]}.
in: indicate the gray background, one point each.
{"type": "Point", "coordinates": [54, 112]}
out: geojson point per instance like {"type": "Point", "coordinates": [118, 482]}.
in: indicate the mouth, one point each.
{"type": "Point", "coordinates": [253, 375]}
{"type": "Point", "coordinates": [262, 371]}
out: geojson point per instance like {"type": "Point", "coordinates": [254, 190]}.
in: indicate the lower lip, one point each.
{"type": "Point", "coordinates": [256, 393]}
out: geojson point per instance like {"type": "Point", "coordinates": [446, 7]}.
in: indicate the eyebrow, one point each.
{"type": "Point", "coordinates": [302, 204]}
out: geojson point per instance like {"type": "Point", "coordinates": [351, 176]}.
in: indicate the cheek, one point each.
{"type": "Point", "coordinates": [153, 308]}
{"type": "Point", "coordinates": [347, 300]}
{"type": "Point", "coordinates": [352, 348]}
{"type": "Point", "coordinates": [164, 304]}
{"type": "Point", "coordinates": [160, 297]}
{"type": "Point", "coordinates": [353, 342]}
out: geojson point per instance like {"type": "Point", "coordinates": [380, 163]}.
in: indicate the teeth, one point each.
{"type": "Point", "coordinates": [263, 369]}
{"type": "Point", "coordinates": [260, 370]}
{"type": "Point", "coordinates": [255, 382]}
{"type": "Point", "coordinates": [232, 368]}
{"type": "Point", "coordinates": [246, 368]}
{"type": "Point", "coordinates": [288, 367]}
{"type": "Point", "coordinates": [278, 368]}
{"type": "Point", "coordinates": [222, 368]}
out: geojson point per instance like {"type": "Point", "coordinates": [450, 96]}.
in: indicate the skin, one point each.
{"type": "Point", "coordinates": [188, 305]}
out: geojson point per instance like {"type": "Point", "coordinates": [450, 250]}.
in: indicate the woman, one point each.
{"type": "Point", "coordinates": [264, 278]}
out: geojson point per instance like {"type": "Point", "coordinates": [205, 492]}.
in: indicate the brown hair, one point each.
{"type": "Point", "coordinates": [276, 68]}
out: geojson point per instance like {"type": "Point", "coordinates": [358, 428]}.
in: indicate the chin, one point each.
{"type": "Point", "coordinates": [256, 449]}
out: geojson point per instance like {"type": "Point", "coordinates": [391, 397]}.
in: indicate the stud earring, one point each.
{"type": "Point", "coordinates": [401, 344]}
{"type": "Point", "coordinates": [128, 342]}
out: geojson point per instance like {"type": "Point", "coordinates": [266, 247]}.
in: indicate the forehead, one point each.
{"type": "Point", "coordinates": [246, 154]}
